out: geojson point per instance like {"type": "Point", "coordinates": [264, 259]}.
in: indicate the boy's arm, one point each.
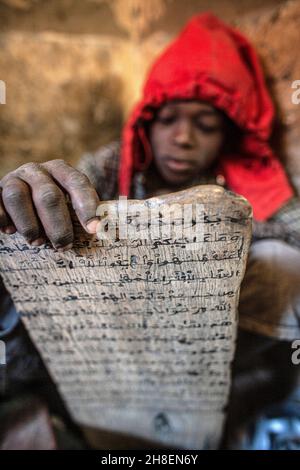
{"type": "Point", "coordinates": [101, 167]}
{"type": "Point", "coordinates": [34, 202]}
{"type": "Point", "coordinates": [23, 362]}
{"type": "Point", "coordinates": [23, 365]}
{"type": "Point", "coordinates": [289, 215]}
{"type": "Point", "coordinates": [283, 225]}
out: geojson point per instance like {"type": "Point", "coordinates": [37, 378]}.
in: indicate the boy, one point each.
{"type": "Point", "coordinates": [205, 117]}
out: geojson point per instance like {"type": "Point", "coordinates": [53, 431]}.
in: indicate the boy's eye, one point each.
{"type": "Point", "coordinates": [208, 126]}
{"type": "Point", "coordinates": [204, 124]}
{"type": "Point", "coordinates": [167, 119]}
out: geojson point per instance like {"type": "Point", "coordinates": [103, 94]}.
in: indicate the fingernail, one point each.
{"type": "Point", "coordinates": [64, 248]}
{"type": "Point", "coordinates": [38, 242]}
{"type": "Point", "coordinates": [9, 229]}
{"type": "Point", "coordinates": [92, 226]}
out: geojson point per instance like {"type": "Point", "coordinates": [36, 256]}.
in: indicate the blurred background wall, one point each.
{"type": "Point", "coordinates": [74, 68]}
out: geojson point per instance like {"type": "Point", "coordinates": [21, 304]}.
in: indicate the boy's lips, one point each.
{"type": "Point", "coordinates": [179, 164]}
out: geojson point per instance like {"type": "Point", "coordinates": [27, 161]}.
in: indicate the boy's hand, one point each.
{"type": "Point", "coordinates": [33, 202]}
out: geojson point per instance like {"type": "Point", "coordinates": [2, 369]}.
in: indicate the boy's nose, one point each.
{"type": "Point", "coordinates": [183, 134]}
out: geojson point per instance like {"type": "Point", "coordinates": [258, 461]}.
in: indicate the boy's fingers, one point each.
{"type": "Point", "coordinates": [6, 224]}
{"type": "Point", "coordinates": [49, 203]}
{"type": "Point", "coordinates": [83, 195]}
{"type": "Point", "coordinates": [33, 200]}
{"type": "Point", "coordinates": [18, 204]}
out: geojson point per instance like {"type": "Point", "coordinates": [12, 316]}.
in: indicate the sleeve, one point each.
{"type": "Point", "coordinates": [283, 225]}
{"type": "Point", "coordinates": [102, 167]}
{"type": "Point", "coordinates": [269, 301]}
{"type": "Point", "coordinates": [23, 365]}
{"type": "Point", "coordinates": [289, 215]}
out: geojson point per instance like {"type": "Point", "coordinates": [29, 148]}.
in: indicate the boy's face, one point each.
{"type": "Point", "coordinates": [186, 138]}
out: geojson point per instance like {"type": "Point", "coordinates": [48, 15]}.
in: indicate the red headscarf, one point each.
{"type": "Point", "coordinates": [213, 62]}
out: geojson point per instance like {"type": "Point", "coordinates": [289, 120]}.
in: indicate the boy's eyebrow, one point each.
{"type": "Point", "coordinates": [175, 106]}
